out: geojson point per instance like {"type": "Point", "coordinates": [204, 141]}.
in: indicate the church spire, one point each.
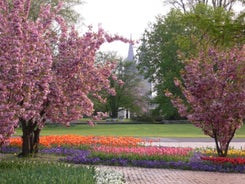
{"type": "Point", "coordinates": [130, 51]}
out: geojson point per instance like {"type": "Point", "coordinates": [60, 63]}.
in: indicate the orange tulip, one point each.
{"type": "Point", "coordinates": [76, 140]}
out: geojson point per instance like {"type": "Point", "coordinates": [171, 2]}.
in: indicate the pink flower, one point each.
{"type": "Point", "coordinates": [149, 150]}
{"type": "Point", "coordinates": [91, 123]}
{"type": "Point", "coordinates": [120, 82]}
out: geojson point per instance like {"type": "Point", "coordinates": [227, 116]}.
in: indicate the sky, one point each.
{"type": "Point", "coordinates": [124, 17]}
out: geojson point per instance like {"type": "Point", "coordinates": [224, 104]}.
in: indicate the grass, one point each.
{"type": "Point", "coordinates": [138, 130]}
{"type": "Point", "coordinates": [25, 171]}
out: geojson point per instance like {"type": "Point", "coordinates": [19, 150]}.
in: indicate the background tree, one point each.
{"type": "Point", "coordinates": [158, 60]}
{"type": "Point", "coordinates": [39, 83]}
{"type": "Point", "coordinates": [184, 33]}
{"type": "Point", "coordinates": [128, 91]}
{"type": "Point", "coordinates": [67, 10]}
{"type": "Point", "coordinates": [131, 95]}
{"type": "Point", "coordinates": [187, 5]}
{"type": "Point", "coordinates": [214, 89]}
{"type": "Point", "coordinates": [101, 104]}
{"type": "Point", "coordinates": [207, 25]}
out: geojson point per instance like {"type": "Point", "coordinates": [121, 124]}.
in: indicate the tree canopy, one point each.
{"type": "Point", "coordinates": [184, 34]}
{"type": "Point", "coordinates": [214, 90]}
{"type": "Point", "coordinates": [128, 93]}
{"type": "Point", "coordinates": [67, 11]}
{"type": "Point", "coordinates": [45, 75]}
{"type": "Point", "coordinates": [186, 5]}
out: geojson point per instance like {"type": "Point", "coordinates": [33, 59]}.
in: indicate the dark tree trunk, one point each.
{"type": "Point", "coordinates": [35, 145]}
{"type": "Point", "coordinates": [222, 152]}
{"type": "Point", "coordinates": [30, 138]}
{"type": "Point", "coordinates": [114, 114]}
{"type": "Point", "coordinates": [114, 107]}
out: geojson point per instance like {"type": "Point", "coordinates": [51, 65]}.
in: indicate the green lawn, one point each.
{"type": "Point", "coordinates": [141, 130]}
{"type": "Point", "coordinates": [38, 171]}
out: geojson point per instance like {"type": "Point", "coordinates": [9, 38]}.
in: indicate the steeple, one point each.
{"type": "Point", "coordinates": [130, 51]}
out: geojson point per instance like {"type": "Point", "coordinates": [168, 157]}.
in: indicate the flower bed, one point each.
{"type": "Point", "coordinates": [231, 152]}
{"type": "Point", "coordinates": [76, 140]}
{"type": "Point", "coordinates": [129, 151]}
{"type": "Point", "coordinates": [224, 160]}
{"type": "Point", "coordinates": [148, 151]}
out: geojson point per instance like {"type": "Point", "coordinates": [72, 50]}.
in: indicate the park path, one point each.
{"type": "Point", "coordinates": [135, 175]}
{"type": "Point", "coordinates": [237, 143]}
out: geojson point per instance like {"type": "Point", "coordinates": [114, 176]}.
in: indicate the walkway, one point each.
{"type": "Point", "coordinates": [238, 143]}
{"type": "Point", "coordinates": [135, 175]}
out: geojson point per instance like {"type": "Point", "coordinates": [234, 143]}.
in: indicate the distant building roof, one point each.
{"type": "Point", "coordinates": [130, 53]}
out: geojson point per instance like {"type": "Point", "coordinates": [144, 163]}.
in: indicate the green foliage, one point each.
{"type": "Point", "coordinates": [67, 12]}
{"type": "Point", "coordinates": [211, 26]}
{"type": "Point", "coordinates": [146, 117]}
{"type": "Point", "coordinates": [180, 35]}
{"type": "Point", "coordinates": [25, 172]}
{"type": "Point", "coordinates": [187, 5]}
{"type": "Point", "coordinates": [129, 94]}
{"type": "Point", "coordinates": [159, 61]}
{"type": "Point", "coordinates": [134, 156]}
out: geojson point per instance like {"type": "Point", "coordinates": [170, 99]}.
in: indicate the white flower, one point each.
{"type": "Point", "coordinates": [109, 177]}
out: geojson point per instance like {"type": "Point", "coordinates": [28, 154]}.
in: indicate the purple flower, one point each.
{"type": "Point", "coordinates": [78, 156]}
{"type": "Point", "coordinates": [9, 149]}
{"type": "Point", "coordinates": [65, 151]}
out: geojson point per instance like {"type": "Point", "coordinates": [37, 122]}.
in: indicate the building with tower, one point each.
{"type": "Point", "coordinates": [143, 91]}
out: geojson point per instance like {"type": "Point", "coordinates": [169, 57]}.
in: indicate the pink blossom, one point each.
{"type": "Point", "coordinates": [214, 90]}
{"type": "Point", "coordinates": [91, 123]}
{"type": "Point", "coordinates": [148, 151]}
{"type": "Point", "coordinates": [120, 82]}
{"type": "Point", "coordinates": [45, 75]}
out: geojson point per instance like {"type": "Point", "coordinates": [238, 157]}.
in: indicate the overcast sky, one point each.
{"type": "Point", "coordinates": [124, 17]}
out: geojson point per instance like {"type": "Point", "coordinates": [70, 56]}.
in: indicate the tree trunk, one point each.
{"type": "Point", "coordinates": [30, 138]}
{"type": "Point", "coordinates": [114, 114]}
{"type": "Point", "coordinates": [222, 151]}
{"type": "Point", "coordinates": [35, 144]}
{"type": "Point", "coordinates": [113, 106]}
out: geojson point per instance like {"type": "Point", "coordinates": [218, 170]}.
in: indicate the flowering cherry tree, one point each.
{"type": "Point", "coordinates": [214, 89]}
{"type": "Point", "coordinates": [45, 75]}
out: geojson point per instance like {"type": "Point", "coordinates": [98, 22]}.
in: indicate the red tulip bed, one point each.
{"type": "Point", "coordinates": [130, 151]}
{"type": "Point", "coordinates": [224, 160]}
